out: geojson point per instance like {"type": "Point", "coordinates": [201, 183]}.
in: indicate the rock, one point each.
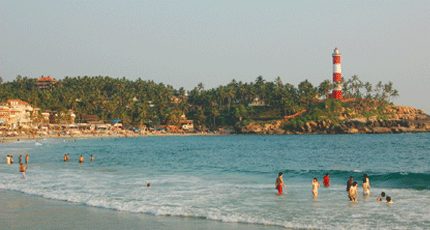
{"type": "Point", "coordinates": [377, 130]}
{"type": "Point", "coordinates": [351, 130]}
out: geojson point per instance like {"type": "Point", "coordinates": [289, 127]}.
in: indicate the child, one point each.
{"type": "Point", "coordinates": [353, 191]}
{"type": "Point", "coordinates": [315, 186]}
{"type": "Point", "coordinates": [326, 180]}
{"type": "Point", "coordinates": [279, 183]}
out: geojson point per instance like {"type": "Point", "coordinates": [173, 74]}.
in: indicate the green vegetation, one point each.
{"type": "Point", "coordinates": [145, 102]}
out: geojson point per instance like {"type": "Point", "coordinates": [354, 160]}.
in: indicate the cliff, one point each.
{"type": "Point", "coordinates": [358, 117]}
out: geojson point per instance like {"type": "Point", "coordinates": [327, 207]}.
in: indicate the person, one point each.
{"type": "Point", "coordinates": [68, 156]}
{"type": "Point", "coordinates": [389, 201]}
{"type": "Point", "coordinates": [81, 159]}
{"type": "Point", "coordinates": [349, 183]}
{"type": "Point", "coordinates": [22, 169]}
{"type": "Point", "coordinates": [382, 197]}
{"type": "Point", "coordinates": [92, 158]}
{"type": "Point", "coordinates": [65, 157]}
{"type": "Point", "coordinates": [366, 185]}
{"type": "Point", "coordinates": [26, 159]}
{"type": "Point", "coordinates": [353, 191]}
{"type": "Point", "coordinates": [326, 180]}
{"type": "Point", "coordinates": [148, 185]}
{"type": "Point", "coordinates": [11, 159]}
{"type": "Point", "coordinates": [7, 159]}
{"type": "Point", "coordinates": [315, 186]}
{"type": "Point", "coordinates": [279, 183]}
{"type": "Point", "coordinates": [20, 159]}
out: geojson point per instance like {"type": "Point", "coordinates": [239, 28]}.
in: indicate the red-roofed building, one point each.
{"type": "Point", "coordinates": [45, 82]}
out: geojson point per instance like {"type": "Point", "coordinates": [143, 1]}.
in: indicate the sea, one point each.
{"type": "Point", "coordinates": [231, 178]}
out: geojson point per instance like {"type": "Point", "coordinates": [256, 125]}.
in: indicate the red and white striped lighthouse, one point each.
{"type": "Point", "coordinates": [337, 75]}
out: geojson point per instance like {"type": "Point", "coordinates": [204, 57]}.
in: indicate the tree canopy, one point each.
{"type": "Point", "coordinates": [146, 102]}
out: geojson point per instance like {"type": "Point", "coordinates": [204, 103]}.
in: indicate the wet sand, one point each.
{"type": "Point", "coordinates": [22, 211]}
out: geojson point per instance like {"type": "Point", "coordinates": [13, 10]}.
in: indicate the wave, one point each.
{"type": "Point", "coordinates": [400, 180]}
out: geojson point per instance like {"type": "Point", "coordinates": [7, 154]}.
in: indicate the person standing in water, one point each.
{"type": "Point", "coordinates": [81, 159]}
{"type": "Point", "coordinates": [26, 159]}
{"type": "Point", "coordinates": [20, 159]}
{"type": "Point", "coordinates": [349, 183]}
{"type": "Point", "coordinates": [366, 185]}
{"type": "Point", "coordinates": [326, 180]}
{"type": "Point", "coordinates": [65, 158]}
{"type": "Point", "coordinates": [353, 191]}
{"type": "Point", "coordinates": [279, 183]}
{"type": "Point", "coordinates": [22, 169]}
{"type": "Point", "coordinates": [315, 186]}
{"type": "Point", "coordinates": [11, 159]}
{"type": "Point", "coordinates": [7, 159]}
{"type": "Point", "coordinates": [92, 158]}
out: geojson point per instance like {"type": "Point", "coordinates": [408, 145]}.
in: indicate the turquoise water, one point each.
{"type": "Point", "coordinates": [231, 178]}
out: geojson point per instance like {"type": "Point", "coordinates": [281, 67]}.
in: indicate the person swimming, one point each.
{"type": "Point", "coordinates": [279, 183]}
{"type": "Point", "coordinates": [389, 201]}
{"type": "Point", "coordinates": [382, 197]}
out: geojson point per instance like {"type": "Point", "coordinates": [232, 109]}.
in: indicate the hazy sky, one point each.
{"type": "Point", "coordinates": [182, 43]}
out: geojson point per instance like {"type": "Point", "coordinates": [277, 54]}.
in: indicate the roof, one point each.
{"type": "Point", "coordinates": [17, 100]}
{"type": "Point", "coordinates": [115, 121]}
{"type": "Point", "coordinates": [46, 79]}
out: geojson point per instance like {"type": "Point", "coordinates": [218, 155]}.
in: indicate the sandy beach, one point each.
{"type": "Point", "coordinates": [22, 211]}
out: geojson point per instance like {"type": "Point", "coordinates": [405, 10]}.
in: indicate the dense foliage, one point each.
{"type": "Point", "coordinates": [145, 102]}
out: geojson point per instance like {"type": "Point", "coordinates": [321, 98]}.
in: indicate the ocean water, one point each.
{"type": "Point", "coordinates": [231, 178]}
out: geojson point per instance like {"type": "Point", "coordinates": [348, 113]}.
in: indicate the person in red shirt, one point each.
{"type": "Point", "coordinates": [326, 180]}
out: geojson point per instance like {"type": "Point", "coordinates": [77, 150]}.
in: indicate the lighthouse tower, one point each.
{"type": "Point", "coordinates": [337, 75]}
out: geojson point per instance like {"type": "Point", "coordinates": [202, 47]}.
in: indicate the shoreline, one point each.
{"type": "Point", "coordinates": [23, 211]}
{"type": "Point", "coordinates": [98, 135]}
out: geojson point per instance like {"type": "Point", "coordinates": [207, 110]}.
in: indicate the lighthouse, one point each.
{"type": "Point", "coordinates": [337, 75]}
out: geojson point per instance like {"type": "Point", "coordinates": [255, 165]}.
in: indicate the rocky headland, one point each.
{"type": "Point", "coordinates": [359, 118]}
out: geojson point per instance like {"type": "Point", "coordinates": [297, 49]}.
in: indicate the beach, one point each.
{"type": "Point", "coordinates": [214, 182]}
{"type": "Point", "coordinates": [21, 211]}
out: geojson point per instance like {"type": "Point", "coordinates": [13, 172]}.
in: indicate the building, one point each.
{"type": "Point", "coordinates": [4, 114]}
{"type": "Point", "coordinates": [16, 113]}
{"type": "Point", "coordinates": [257, 102]}
{"type": "Point", "coordinates": [337, 75]}
{"type": "Point", "coordinates": [45, 82]}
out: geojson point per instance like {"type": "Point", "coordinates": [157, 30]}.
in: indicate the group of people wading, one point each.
{"type": "Point", "coordinates": [351, 187]}
{"type": "Point", "coordinates": [22, 168]}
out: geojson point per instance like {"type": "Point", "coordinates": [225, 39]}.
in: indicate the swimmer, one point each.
{"type": "Point", "coordinates": [326, 180]}
{"type": "Point", "coordinates": [26, 159]}
{"type": "Point", "coordinates": [382, 197]}
{"type": "Point", "coordinates": [279, 183]}
{"type": "Point", "coordinates": [353, 191]}
{"type": "Point", "coordinates": [366, 185]}
{"type": "Point", "coordinates": [65, 157]}
{"type": "Point", "coordinates": [315, 186]}
{"type": "Point", "coordinates": [389, 201]}
{"type": "Point", "coordinates": [349, 183]}
{"type": "Point", "coordinates": [22, 169]}
{"type": "Point", "coordinates": [68, 156]}
{"type": "Point", "coordinates": [81, 159]}
{"type": "Point", "coordinates": [92, 158]}
{"type": "Point", "coordinates": [148, 185]}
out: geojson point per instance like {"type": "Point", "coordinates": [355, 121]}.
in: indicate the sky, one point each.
{"type": "Point", "coordinates": [183, 43]}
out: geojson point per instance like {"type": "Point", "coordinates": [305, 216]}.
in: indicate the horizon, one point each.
{"type": "Point", "coordinates": [184, 43]}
